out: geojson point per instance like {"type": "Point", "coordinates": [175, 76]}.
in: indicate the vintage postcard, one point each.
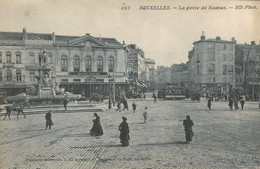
{"type": "Point", "coordinates": [129, 84]}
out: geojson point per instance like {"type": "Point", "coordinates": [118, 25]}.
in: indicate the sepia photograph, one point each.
{"type": "Point", "coordinates": [137, 84]}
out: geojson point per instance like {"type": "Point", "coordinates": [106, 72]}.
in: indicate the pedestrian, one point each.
{"type": "Point", "coordinates": [49, 122]}
{"type": "Point", "coordinates": [118, 106]}
{"type": "Point", "coordinates": [242, 102]}
{"type": "Point", "coordinates": [97, 129]}
{"type": "Point", "coordinates": [134, 107]}
{"type": "Point", "coordinates": [125, 104]}
{"type": "Point", "coordinates": [145, 114]}
{"type": "Point", "coordinates": [188, 123]}
{"type": "Point", "coordinates": [124, 132]}
{"type": "Point", "coordinates": [236, 104]}
{"type": "Point", "coordinates": [230, 103]}
{"type": "Point", "coordinates": [209, 103]}
{"type": "Point", "coordinates": [154, 99]}
{"type": "Point", "coordinates": [259, 101]}
{"type": "Point", "coordinates": [8, 111]}
{"type": "Point", "coordinates": [65, 102]}
{"type": "Point", "coordinates": [144, 96]}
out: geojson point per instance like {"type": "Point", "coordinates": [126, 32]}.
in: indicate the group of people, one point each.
{"type": "Point", "coordinates": [232, 102]}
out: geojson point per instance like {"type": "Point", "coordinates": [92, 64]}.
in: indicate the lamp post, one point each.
{"type": "Point", "coordinates": [90, 90]}
{"type": "Point", "coordinates": [109, 99]}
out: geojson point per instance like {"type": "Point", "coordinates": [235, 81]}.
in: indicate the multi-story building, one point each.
{"type": "Point", "coordinates": [150, 64]}
{"type": "Point", "coordinates": [136, 69]}
{"type": "Point", "coordinates": [180, 75]}
{"type": "Point", "coordinates": [163, 77]}
{"type": "Point", "coordinates": [248, 69]}
{"type": "Point", "coordinates": [81, 64]}
{"type": "Point", "coordinates": [213, 65]}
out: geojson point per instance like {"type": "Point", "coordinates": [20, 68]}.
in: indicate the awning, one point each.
{"type": "Point", "coordinates": [254, 83]}
{"type": "Point", "coordinates": [143, 85]}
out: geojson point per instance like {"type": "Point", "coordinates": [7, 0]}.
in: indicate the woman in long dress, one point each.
{"type": "Point", "coordinates": [124, 132]}
{"type": "Point", "coordinates": [97, 129]}
{"type": "Point", "coordinates": [188, 123]}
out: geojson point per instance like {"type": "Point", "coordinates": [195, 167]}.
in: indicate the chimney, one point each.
{"type": "Point", "coordinates": [218, 38]}
{"type": "Point", "coordinates": [233, 39]}
{"type": "Point", "coordinates": [202, 36]}
{"type": "Point", "coordinates": [252, 42]}
{"type": "Point", "coordinates": [53, 36]}
{"type": "Point", "coordinates": [24, 33]}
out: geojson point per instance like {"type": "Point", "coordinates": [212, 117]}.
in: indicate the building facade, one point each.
{"type": "Point", "coordinates": [150, 64]}
{"type": "Point", "coordinates": [180, 75]}
{"type": "Point", "coordinates": [81, 64]}
{"type": "Point", "coordinates": [248, 70]}
{"type": "Point", "coordinates": [213, 65]}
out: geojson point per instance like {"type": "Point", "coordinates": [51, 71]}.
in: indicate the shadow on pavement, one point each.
{"type": "Point", "coordinates": [32, 130]}
{"type": "Point", "coordinates": [156, 144]}
{"type": "Point", "coordinates": [78, 135]}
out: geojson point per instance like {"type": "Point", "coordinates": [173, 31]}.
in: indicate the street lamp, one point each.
{"type": "Point", "coordinates": [109, 99]}
{"type": "Point", "coordinates": [90, 90]}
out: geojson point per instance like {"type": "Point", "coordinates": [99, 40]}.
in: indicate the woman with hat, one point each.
{"type": "Point", "coordinates": [97, 128]}
{"type": "Point", "coordinates": [124, 132]}
{"type": "Point", "coordinates": [48, 119]}
{"type": "Point", "coordinates": [188, 123]}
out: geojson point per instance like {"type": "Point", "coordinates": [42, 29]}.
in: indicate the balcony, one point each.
{"type": "Point", "coordinates": [8, 65]}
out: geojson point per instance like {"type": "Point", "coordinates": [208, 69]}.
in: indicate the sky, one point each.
{"type": "Point", "coordinates": [164, 35]}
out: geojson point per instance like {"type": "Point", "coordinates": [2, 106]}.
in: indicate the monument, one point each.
{"type": "Point", "coordinates": [46, 83]}
{"type": "Point", "coordinates": [46, 91]}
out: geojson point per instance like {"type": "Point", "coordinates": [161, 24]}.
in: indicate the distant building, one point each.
{"type": "Point", "coordinates": [163, 77]}
{"type": "Point", "coordinates": [212, 62]}
{"type": "Point", "coordinates": [248, 69]}
{"type": "Point", "coordinates": [81, 64]}
{"type": "Point", "coordinates": [137, 69]}
{"type": "Point", "coordinates": [150, 64]}
{"type": "Point", "coordinates": [180, 75]}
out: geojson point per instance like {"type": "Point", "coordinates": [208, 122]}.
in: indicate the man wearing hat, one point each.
{"type": "Point", "coordinates": [124, 132]}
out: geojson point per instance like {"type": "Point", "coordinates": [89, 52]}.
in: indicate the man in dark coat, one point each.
{"type": "Point", "coordinates": [134, 107]}
{"type": "Point", "coordinates": [209, 103]}
{"type": "Point", "coordinates": [124, 132]}
{"type": "Point", "coordinates": [230, 103]}
{"type": "Point", "coordinates": [242, 102]}
{"type": "Point", "coordinates": [65, 102]}
{"type": "Point", "coordinates": [97, 129]}
{"type": "Point", "coordinates": [49, 122]}
{"type": "Point", "coordinates": [188, 123]}
{"type": "Point", "coordinates": [125, 104]}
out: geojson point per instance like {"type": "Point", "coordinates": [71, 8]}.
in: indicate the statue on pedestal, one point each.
{"type": "Point", "coordinates": [46, 81]}
{"type": "Point", "coordinates": [45, 57]}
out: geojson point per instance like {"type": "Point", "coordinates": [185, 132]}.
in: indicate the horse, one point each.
{"type": "Point", "coordinates": [19, 108]}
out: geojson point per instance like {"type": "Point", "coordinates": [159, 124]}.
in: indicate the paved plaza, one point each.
{"type": "Point", "coordinates": [223, 138]}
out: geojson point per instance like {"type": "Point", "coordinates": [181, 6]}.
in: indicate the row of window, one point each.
{"type": "Point", "coordinates": [88, 64]}
{"type": "Point", "coordinates": [211, 46]}
{"type": "Point", "coordinates": [9, 76]}
{"type": "Point", "coordinates": [8, 57]}
{"type": "Point", "coordinates": [64, 61]}
{"type": "Point", "coordinates": [225, 80]}
{"type": "Point", "coordinates": [79, 80]}
{"type": "Point", "coordinates": [227, 69]}
{"type": "Point", "coordinates": [211, 57]}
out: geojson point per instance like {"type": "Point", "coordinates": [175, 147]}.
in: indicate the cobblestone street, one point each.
{"type": "Point", "coordinates": [223, 138]}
